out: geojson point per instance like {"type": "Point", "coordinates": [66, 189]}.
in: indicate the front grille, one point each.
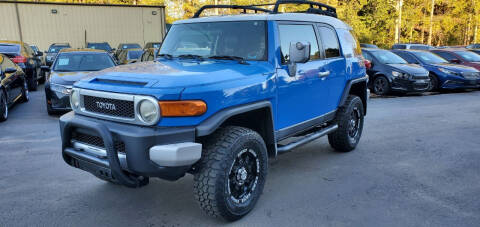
{"type": "Point", "coordinates": [420, 77]}
{"type": "Point", "coordinates": [114, 107]}
{"type": "Point", "coordinates": [97, 141]}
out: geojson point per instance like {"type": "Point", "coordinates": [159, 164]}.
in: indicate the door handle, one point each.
{"type": "Point", "coordinates": [324, 74]}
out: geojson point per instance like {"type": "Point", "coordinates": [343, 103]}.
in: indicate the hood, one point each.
{"type": "Point", "coordinates": [455, 67]}
{"type": "Point", "coordinates": [171, 74]}
{"type": "Point", "coordinates": [411, 69]}
{"type": "Point", "coordinates": [67, 78]}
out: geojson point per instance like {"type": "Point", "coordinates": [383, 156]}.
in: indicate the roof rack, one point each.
{"type": "Point", "coordinates": [315, 8]}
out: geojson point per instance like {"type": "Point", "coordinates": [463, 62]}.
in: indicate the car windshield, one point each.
{"type": "Point", "coordinates": [134, 54]}
{"type": "Point", "coordinates": [243, 39]}
{"type": "Point", "coordinates": [56, 49]}
{"type": "Point", "coordinates": [387, 57]}
{"type": "Point", "coordinates": [75, 62]}
{"type": "Point", "coordinates": [9, 48]}
{"type": "Point", "coordinates": [99, 46]}
{"type": "Point", "coordinates": [130, 46]}
{"type": "Point", "coordinates": [429, 58]}
{"type": "Point", "coordinates": [469, 56]}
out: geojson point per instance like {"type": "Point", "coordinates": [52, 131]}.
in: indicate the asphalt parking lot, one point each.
{"type": "Point", "coordinates": [416, 165]}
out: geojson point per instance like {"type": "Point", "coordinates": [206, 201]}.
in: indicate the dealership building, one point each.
{"type": "Point", "coordinates": [41, 23]}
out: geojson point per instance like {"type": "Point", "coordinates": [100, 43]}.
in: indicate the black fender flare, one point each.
{"type": "Point", "coordinates": [364, 95]}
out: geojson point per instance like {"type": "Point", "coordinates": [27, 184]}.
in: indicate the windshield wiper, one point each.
{"type": "Point", "coordinates": [167, 56]}
{"type": "Point", "coordinates": [227, 57]}
{"type": "Point", "coordinates": [191, 56]}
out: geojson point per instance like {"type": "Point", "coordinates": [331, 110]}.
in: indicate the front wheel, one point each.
{"type": "Point", "coordinates": [433, 84]}
{"type": "Point", "coordinates": [350, 119]}
{"type": "Point", "coordinates": [231, 173]}
{"type": "Point", "coordinates": [3, 106]}
{"type": "Point", "coordinates": [381, 86]}
{"type": "Point", "coordinates": [25, 92]}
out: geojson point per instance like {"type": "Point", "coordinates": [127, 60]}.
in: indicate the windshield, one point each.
{"type": "Point", "coordinates": [429, 57]}
{"type": "Point", "coordinates": [56, 49]}
{"type": "Point", "coordinates": [134, 54]}
{"type": "Point", "coordinates": [387, 57]}
{"type": "Point", "coordinates": [99, 46]}
{"type": "Point", "coordinates": [73, 62]}
{"type": "Point", "coordinates": [244, 39]}
{"type": "Point", "coordinates": [9, 48]}
{"type": "Point", "coordinates": [469, 56]}
{"type": "Point", "coordinates": [130, 46]}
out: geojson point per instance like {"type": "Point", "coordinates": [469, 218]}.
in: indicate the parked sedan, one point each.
{"type": "Point", "coordinates": [443, 75]}
{"type": "Point", "coordinates": [13, 86]}
{"type": "Point", "coordinates": [123, 46]}
{"type": "Point", "coordinates": [53, 50]}
{"type": "Point", "coordinates": [129, 56]}
{"type": "Point", "coordinates": [23, 55]}
{"type": "Point", "coordinates": [70, 66]}
{"type": "Point", "coordinates": [389, 72]}
{"type": "Point", "coordinates": [460, 56]}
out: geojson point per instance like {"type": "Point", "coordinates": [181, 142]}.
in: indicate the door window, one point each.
{"type": "Point", "coordinates": [330, 42]}
{"type": "Point", "coordinates": [298, 33]}
{"type": "Point", "coordinates": [445, 55]}
{"type": "Point", "coordinates": [407, 57]}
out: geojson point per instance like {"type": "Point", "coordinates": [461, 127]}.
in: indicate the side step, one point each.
{"type": "Point", "coordinates": [307, 139]}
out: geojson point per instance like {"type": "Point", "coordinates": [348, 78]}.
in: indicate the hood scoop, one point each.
{"type": "Point", "coordinates": [119, 82]}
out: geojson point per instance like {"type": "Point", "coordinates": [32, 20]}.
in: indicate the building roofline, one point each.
{"type": "Point", "coordinates": [81, 4]}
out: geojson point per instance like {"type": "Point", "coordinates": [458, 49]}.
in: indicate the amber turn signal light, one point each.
{"type": "Point", "coordinates": [182, 108]}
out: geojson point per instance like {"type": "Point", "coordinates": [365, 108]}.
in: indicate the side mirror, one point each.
{"type": "Point", "coordinates": [10, 70]}
{"type": "Point", "coordinates": [456, 61]}
{"type": "Point", "coordinates": [45, 68]}
{"type": "Point", "coordinates": [39, 54]}
{"type": "Point", "coordinates": [298, 53]}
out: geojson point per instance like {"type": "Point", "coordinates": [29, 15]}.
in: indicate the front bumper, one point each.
{"type": "Point", "coordinates": [459, 83]}
{"type": "Point", "coordinates": [121, 151]}
{"type": "Point", "coordinates": [410, 86]}
{"type": "Point", "coordinates": [57, 100]}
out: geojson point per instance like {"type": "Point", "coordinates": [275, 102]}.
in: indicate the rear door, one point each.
{"type": "Point", "coordinates": [12, 81]}
{"type": "Point", "coordinates": [303, 98]}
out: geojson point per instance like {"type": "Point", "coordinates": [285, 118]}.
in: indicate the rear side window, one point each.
{"type": "Point", "coordinates": [350, 45]}
{"type": "Point", "coordinates": [295, 33]}
{"type": "Point", "coordinates": [330, 42]}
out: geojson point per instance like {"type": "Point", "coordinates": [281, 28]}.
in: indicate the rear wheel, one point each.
{"type": "Point", "coordinates": [381, 86]}
{"type": "Point", "coordinates": [231, 173]}
{"type": "Point", "coordinates": [33, 81]}
{"type": "Point", "coordinates": [3, 106]}
{"type": "Point", "coordinates": [25, 92]}
{"type": "Point", "coordinates": [350, 125]}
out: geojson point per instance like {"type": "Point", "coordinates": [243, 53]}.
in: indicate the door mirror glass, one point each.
{"type": "Point", "coordinates": [298, 53]}
{"type": "Point", "coordinates": [10, 70]}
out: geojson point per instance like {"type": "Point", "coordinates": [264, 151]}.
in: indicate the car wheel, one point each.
{"type": "Point", "coordinates": [433, 84]}
{"type": "Point", "coordinates": [25, 92]}
{"type": "Point", "coordinates": [381, 86]}
{"type": "Point", "coordinates": [230, 176]}
{"type": "Point", "coordinates": [350, 119]}
{"type": "Point", "coordinates": [42, 76]}
{"type": "Point", "coordinates": [33, 82]}
{"type": "Point", "coordinates": [3, 106]}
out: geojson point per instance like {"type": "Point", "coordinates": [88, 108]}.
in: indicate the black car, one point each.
{"type": "Point", "coordinates": [22, 54]}
{"type": "Point", "coordinates": [389, 72]}
{"type": "Point", "coordinates": [13, 86]}
{"type": "Point", "coordinates": [53, 51]}
{"type": "Point", "coordinates": [70, 66]}
{"type": "Point", "coordinates": [123, 46]}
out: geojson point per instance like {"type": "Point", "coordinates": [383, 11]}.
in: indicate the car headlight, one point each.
{"type": "Point", "coordinates": [66, 90]}
{"type": "Point", "coordinates": [449, 72]}
{"type": "Point", "coordinates": [148, 111]}
{"type": "Point", "coordinates": [75, 99]}
{"type": "Point", "coordinates": [400, 75]}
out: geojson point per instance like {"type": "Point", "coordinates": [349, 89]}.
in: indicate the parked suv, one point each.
{"type": "Point", "coordinates": [443, 75]}
{"type": "Point", "coordinates": [53, 51]}
{"type": "Point", "coordinates": [216, 104]}
{"type": "Point", "coordinates": [389, 72]}
{"type": "Point", "coordinates": [24, 56]}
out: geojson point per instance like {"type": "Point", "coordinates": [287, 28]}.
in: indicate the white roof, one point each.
{"type": "Point", "coordinates": [336, 23]}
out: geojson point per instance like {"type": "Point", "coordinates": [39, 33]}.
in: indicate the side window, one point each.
{"type": "Point", "coordinates": [294, 33]}
{"type": "Point", "coordinates": [445, 55]}
{"type": "Point", "coordinates": [330, 42]}
{"type": "Point", "coordinates": [407, 57]}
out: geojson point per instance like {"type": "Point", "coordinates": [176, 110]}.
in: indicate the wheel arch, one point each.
{"type": "Point", "coordinates": [356, 87]}
{"type": "Point", "coordinates": [262, 123]}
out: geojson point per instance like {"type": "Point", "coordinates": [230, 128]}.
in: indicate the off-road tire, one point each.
{"type": "Point", "coordinates": [385, 85]}
{"type": "Point", "coordinates": [221, 156]}
{"type": "Point", "coordinates": [3, 106]}
{"type": "Point", "coordinates": [342, 139]}
{"type": "Point", "coordinates": [25, 91]}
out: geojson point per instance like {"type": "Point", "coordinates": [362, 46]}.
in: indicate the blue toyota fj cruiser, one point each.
{"type": "Point", "coordinates": [221, 97]}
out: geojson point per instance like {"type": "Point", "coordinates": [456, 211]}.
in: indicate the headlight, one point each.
{"type": "Point", "coordinates": [149, 111]}
{"type": "Point", "coordinates": [449, 72]}
{"type": "Point", "coordinates": [66, 90]}
{"type": "Point", "coordinates": [400, 75]}
{"type": "Point", "coordinates": [75, 99]}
